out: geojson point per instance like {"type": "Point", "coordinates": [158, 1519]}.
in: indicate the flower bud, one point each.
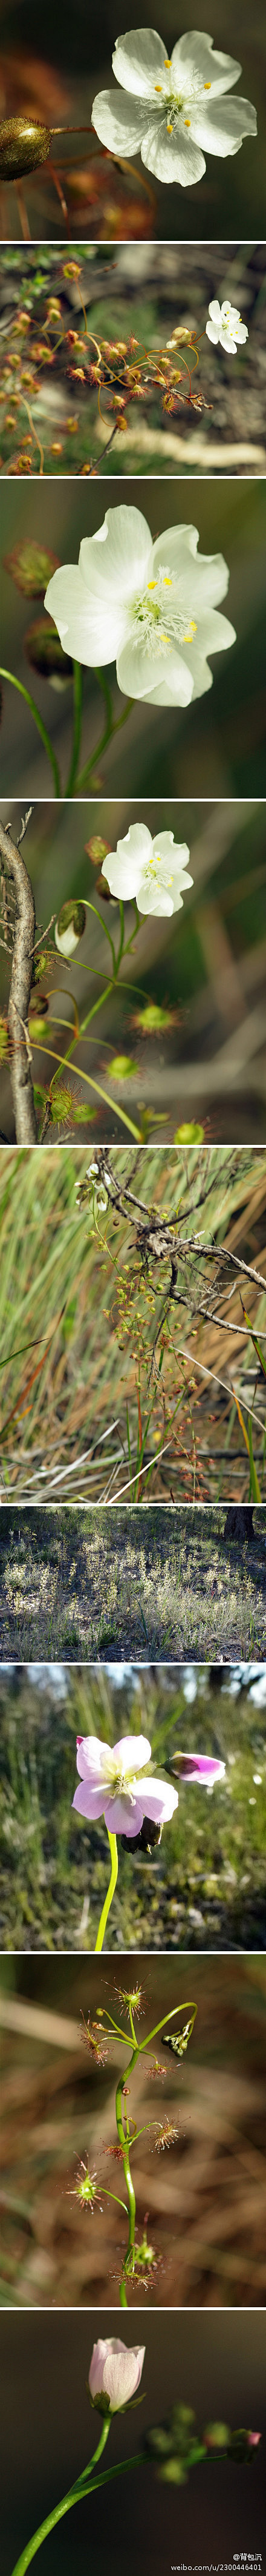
{"type": "Point", "coordinates": [114, 2374]}
{"type": "Point", "coordinates": [45, 653]}
{"type": "Point", "coordinates": [96, 849]}
{"type": "Point", "coordinates": [31, 567]}
{"type": "Point", "coordinates": [23, 145]}
{"type": "Point", "coordinates": [69, 927]}
{"type": "Point", "coordinates": [189, 1135]}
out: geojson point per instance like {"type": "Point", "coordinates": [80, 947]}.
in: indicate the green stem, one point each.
{"type": "Point", "coordinates": [110, 1890]}
{"type": "Point", "coordinates": [110, 730]}
{"type": "Point", "coordinates": [41, 728]}
{"type": "Point", "coordinates": [64, 2506]}
{"type": "Point", "coordinates": [77, 711]}
{"type": "Point", "coordinates": [85, 2485]}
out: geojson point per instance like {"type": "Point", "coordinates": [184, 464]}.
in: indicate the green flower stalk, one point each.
{"type": "Point", "coordinates": [139, 2260]}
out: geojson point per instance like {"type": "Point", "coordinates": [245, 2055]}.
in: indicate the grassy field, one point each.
{"type": "Point", "coordinates": [204, 1888]}
{"type": "Point", "coordinates": [103, 1377]}
{"type": "Point", "coordinates": [160, 1583]}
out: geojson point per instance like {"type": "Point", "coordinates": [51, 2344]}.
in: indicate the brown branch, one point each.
{"type": "Point", "coordinates": [20, 987]}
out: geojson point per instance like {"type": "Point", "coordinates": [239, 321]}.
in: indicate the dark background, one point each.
{"type": "Point", "coordinates": [216, 747]}
{"type": "Point", "coordinates": [215, 2364]}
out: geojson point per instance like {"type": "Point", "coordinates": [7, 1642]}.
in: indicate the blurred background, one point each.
{"type": "Point", "coordinates": [204, 1887]}
{"type": "Point", "coordinates": [146, 291]}
{"type": "Point", "coordinates": [204, 2190]}
{"type": "Point", "coordinates": [57, 70]}
{"type": "Point", "coordinates": [217, 746]}
{"type": "Point", "coordinates": [201, 1054]}
{"type": "Point", "coordinates": [216, 2364]}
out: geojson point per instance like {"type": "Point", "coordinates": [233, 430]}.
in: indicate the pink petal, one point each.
{"type": "Point", "coordinates": [132, 1752]}
{"type": "Point", "coordinates": [92, 1757]}
{"type": "Point", "coordinates": [122, 1815]}
{"type": "Point", "coordinates": [198, 1766]}
{"type": "Point", "coordinates": [89, 1801]}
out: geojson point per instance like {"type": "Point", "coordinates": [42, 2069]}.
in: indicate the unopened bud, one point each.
{"type": "Point", "coordinates": [69, 927]}
{"type": "Point", "coordinates": [24, 144]}
{"type": "Point", "coordinates": [96, 849]}
{"type": "Point", "coordinates": [31, 567]}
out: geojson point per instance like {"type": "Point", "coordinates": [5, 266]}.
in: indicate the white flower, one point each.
{"type": "Point", "coordinates": [153, 606]}
{"type": "Point", "coordinates": [225, 325]}
{"type": "Point", "coordinates": [115, 2373]}
{"type": "Point", "coordinates": [154, 871]}
{"type": "Point", "coordinates": [175, 110]}
{"type": "Point", "coordinates": [110, 1788]}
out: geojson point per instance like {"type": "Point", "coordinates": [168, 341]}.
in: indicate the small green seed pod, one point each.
{"type": "Point", "coordinates": [23, 145]}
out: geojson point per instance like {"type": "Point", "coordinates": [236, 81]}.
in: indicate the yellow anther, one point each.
{"type": "Point", "coordinates": [167, 578]}
{"type": "Point", "coordinates": [207, 84]}
{"type": "Point", "coordinates": [167, 64]}
{"type": "Point", "coordinates": [158, 86]}
{"type": "Point", "coordinates": [151, 585]}
{"type": "Point", "coordinates": [187, 120]}
{"type": "Point", "coordinates": [169, 129]}
{"type": "Point", "coordinates": [163, 638]}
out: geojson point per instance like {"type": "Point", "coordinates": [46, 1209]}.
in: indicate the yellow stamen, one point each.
{"type": "Point", "coordinates": [158, 86]}
{"type": "Point", "coordinates": [169, 129]}
{"type": "Point", "coordinates": [163, 638]}
{"type": "Point", "coordinates": [167, 64]}
{"type": "Point", "coordinates": [187, 120]}
{"type": "Point", "coordinates": [207, 84]}
{"type": "Point", "coordinates": [151, 585]}
{"type": "Point", "coordinates": [167, 580]}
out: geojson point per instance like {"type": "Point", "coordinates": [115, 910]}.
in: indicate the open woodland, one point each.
{"type": "Point", "coordinates": [153, 1583]}
{"type": "Point", "coordinates": [204, 1887]}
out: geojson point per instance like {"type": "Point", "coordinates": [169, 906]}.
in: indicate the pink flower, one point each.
{"type": "Point", "coordinates": [115, 2373]}
{"type": "Point", "coordinates": [199, 1766]}
{"type": "Point", "coordinates": [111, 1789]}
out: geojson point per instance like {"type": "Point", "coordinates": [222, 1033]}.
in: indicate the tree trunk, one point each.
{"type": "Point", "coordinates": [239, 1522]}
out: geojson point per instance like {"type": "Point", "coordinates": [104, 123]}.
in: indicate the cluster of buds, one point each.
{"type": "Point", "coordinates": [124, 370]}
{"type": "Point", "coordinates": [176, 2446]}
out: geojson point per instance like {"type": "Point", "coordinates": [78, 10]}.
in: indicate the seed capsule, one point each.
{"type": "Point", "coordinates": [23, 145]}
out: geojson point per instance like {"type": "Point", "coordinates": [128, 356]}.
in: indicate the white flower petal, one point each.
{"type": "Point", "coordinates": [123, 560]}
{"type": "Point", "coordinates": [212, 333]}
{"type": "Point", "coordinates": [86, 629]}
{"type": "Point", "coordinates": [215, 311]}
{"type": "Point", "coordinates": [137, 844]}
{"type": "Point", "coordinates": [153, 898]}
{"type": "Point", "coordinates": [176, 851]}
{"type": "Point", "coordinates": [221, 126]}
{"type": "Point", "coordinates": [194, 53]}
{"type": "Point", "coordinates": [203, 581]}
{"type": "Point", "coordinates": [227, 342]}
{"type": "Point", "coordinates": [119, 122]}
{"type": "Point", "coordinates": [172, 157]}
{"type": "Point", "coordinates": [166, 696]}
{"type": "Point", "coordinates": [139, 61]}
{"type": "Point", "coordinates": [138, 669]}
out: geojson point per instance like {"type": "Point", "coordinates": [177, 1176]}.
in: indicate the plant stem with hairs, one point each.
{"type": "Point", "coordinates": [20, 988]}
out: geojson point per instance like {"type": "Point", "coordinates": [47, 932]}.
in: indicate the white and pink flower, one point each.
{"type": "Point", "coordinates": [114, 2374]}
{"type": "Point", "coordinates": [110, 1785]}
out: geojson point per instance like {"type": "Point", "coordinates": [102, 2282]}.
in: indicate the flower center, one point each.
{"type": "Point", "coordinates": [159, 620]}
{"type": "Point", "coordinates": [176, 102]}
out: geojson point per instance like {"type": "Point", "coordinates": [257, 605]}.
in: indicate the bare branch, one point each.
{"type": "Point", "coordinates": [20, 987]}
